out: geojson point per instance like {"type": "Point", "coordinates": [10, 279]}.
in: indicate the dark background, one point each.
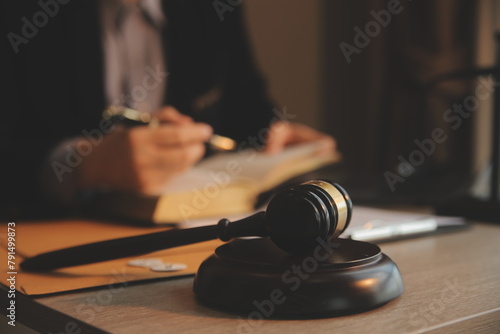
{"type": "Point", "coordinates": [377, 105]}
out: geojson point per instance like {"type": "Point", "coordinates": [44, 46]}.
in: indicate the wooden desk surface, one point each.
{"type": "Point", "coordinates": [452, 285]}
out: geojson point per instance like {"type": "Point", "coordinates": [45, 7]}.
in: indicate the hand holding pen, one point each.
{"type": "Point", "coordinates": [144, 158]}
{"type": "Point", "coordinates": [131, 117]}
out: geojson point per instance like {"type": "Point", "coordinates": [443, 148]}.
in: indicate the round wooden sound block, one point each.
{"type": "Point", "coordinates": [254, 275]}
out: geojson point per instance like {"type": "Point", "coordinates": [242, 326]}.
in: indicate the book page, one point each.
{"type": "Point", "coordinates": [251, 168]}
{"type": "Point", "coordinates": [229, 183]}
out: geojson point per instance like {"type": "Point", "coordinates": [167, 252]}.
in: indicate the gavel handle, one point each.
{"type": "Point", "coordinates": [143, 244]}
{"type": "Point", "coordinates": [118, 248]}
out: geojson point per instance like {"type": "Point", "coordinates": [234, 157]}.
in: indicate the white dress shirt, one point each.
{"type": "Point", "coordinates": [133, 53]}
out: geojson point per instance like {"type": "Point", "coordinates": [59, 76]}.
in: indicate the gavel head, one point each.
{"type": "Point", "coordinates": [298, 216]}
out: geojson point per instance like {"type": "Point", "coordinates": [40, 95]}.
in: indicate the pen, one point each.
{"type": "Point", "coordinates": [133, 117]}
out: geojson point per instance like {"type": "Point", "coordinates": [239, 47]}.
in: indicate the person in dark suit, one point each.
{"type": "Point", "coordinates": [63, 66]}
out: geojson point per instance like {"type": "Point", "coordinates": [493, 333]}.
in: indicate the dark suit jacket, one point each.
{"type": "Point", "coordinates": [54, 84]}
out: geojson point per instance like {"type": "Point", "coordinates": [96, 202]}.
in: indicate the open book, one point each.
{"type": "Point", "coordinates": [222, 185]}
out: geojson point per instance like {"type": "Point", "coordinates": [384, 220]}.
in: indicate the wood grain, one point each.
{"type": "Point", "coordinates": [452, 284]}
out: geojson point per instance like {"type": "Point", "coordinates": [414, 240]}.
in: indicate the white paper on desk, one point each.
{"type": "Point", "coordinates": [368, 224]}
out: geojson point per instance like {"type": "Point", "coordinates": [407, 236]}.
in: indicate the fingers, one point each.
{"type": "Point", "coordinates": [178, 129]}
{"type": "Point", "coordinates": [155, 170]}
{"type": "Point", "coordinates": [171, 159]}
{"type": "Point", "coordinates": [168, 147]}
{"type": "Point", "coordinates": [181, 134]}
{"type": "Point", "coordinates": [161, 154]}
{"type": "Point", "coordinates": [328, 144]}
{"type": "Point", "coordinates": [172, 115]}
{"type": "Point", "coordinates": [180, 158]}
{"type": "Point", "coordinates": [302, 133]}
{"type": "Point", "coordinates": [286, 133]}
{"type": "Point", "coordinates": [279, 136]}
